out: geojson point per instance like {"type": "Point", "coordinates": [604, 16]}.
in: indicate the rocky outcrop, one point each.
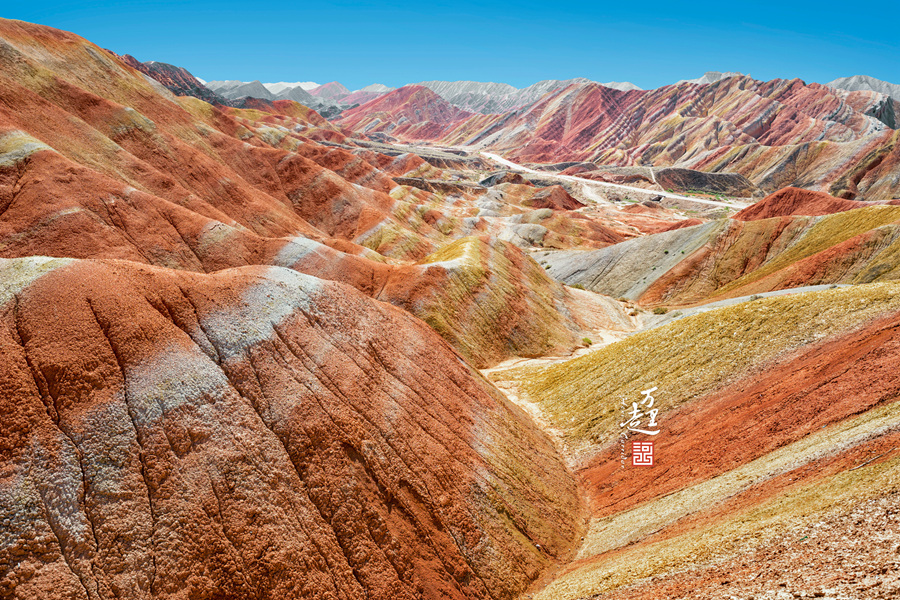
{"type": "Point", "coordinates": [795, 201]}
{"type": "Point", "coordinates": [256, 433]}
{"type": "Point", "coordinates": [554, 197]}
{"type": "Point", "coordinates": [177, 80]}
{"type": "Point", "coordinates": [729, 184]}
{"type": "Point", "coordinates": [503, 177]}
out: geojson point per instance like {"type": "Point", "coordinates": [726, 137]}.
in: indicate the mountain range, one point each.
{"type": "Point", "coordinates": [837, 138]}
{"type": "Point", "coordinates": [252, 352]}
{"type": "Point", "coordinates": [777, 133]}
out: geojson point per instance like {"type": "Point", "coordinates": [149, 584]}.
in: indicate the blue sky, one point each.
{"type": "Point", "coordinates": [648, 43]}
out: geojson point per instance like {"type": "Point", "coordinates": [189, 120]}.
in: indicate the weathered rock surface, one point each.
{"type": "Point", "coordinates": [732, 258]}
{"type": "Point", "coordinates": [503, 177]}
{"type": "Point", "coordinates": [805, 430]}
{"type": "Point", "coordinates": [729, 184]}
{"type": "Point", "coordinates": [776, 133]}
{"type": "Point", "coordinates": [491, 302]}
{"type": "Point", "coordinates": [177, 80]}
{"type": "Point", "coordinates": [239, 350]}
{"type": "Point", "coordinates": [795, 201]}
{"type": "Point", "coordinates": [411, 111]}
{"type": "Point", "coordinates": [554, 197]}
{"type": "Point", "coordinates": [255, 433]}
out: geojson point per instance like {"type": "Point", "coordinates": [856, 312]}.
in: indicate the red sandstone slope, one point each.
{"type": "Point", "coordinates": [203, 188]}
{"type": "Point", "coordinates": [731, 258]}
{"type": "Point", "coordinates": [360, 97]}
{"type": "Point", "coordinates": [800, 395]}
{"type": "Point", "coordinates": [413, 112]}
{"type": "Point", "coordinates": [795, 201]}
{"type": "Point", "coordinates": [256, 433]}
{"type": "Point", "coordinates": [333, 90]}
{"type": "Point", "coordinates": [234, 166]}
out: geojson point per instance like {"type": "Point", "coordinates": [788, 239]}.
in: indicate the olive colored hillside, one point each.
{"type": "Point", "coordinates": [730, 258]}
{"type": "Point", "coordinates": [694, 356]}
{"type": "Point", "coordinates": [491, 301]}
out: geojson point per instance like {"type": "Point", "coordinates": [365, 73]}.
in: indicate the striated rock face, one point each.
{"type": "Point", "coordinates": [805, 429]}
{"type": "Point", "coordinates": [730, 184]}
{"type": "Point", "coordinates": [861, 83]}
{"type": "Point", "coordinates": [239, 343]}
{"type": "Point", "coordinates": [795, 201]}
{"type": "Point", "coordinates": [491, 301]}
{"type": "Point", "coordinates": [177, 80]}
{"type": "Point", "coordinates": [731, 258]}
{"type": "Point", "coordinates": [776, 133]}
{"type": "Point", "coordinates": [412, 111]}
{"type": "Point", "coordinates": [256, 433]}
{"type": "Point", "coordinates": [360, 97]}
{"type": "Point", "coordinates": [333, 90]}
{"type": "Point", "coordinates": [492, 98]}
{"type": "Point", "coordinates": [186, 415]}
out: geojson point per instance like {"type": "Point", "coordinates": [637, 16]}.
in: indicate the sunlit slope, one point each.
{"type": "Point", "coordinates": [697, 355]}
{"type": "Point", "coordinates": [774, 414]}
{"type": "Point", "coordinates": [165, 425]}
{"type": "Point", "coordinates": [731, 258]}
{"type": "Point", "coordinates": [491, 301]}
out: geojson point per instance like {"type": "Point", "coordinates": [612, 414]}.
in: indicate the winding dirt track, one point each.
{"type": "Point", "coordinates": [586, 184]}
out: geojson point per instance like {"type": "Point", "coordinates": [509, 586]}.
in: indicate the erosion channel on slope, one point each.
{"type": "Point", "coordinates": [701, 509]}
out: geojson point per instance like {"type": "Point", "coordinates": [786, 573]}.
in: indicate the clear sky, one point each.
{"type": "Point", "coordinates": [649, 43]}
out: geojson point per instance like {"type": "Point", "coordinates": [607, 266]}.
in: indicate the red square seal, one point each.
{"type": "Point", "coordinates": [642, 454]}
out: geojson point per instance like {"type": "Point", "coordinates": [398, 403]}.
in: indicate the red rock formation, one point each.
{"type": "Point", "coordinates": [255, 433]}
{"type": "Point", "coordinates": [177, 80]}
{"type": "Point", "coordinates": [554, 197]}
{"type": "Point", "coordinates": [683, 224]}
{"type": "Point", "coordinates": [775, 133]}
{"type": "Point", "coordinates": [333, 90]}
{"type": "Point", "coordinates": [348, 165]}
{"type": "Point", "coordinates": [795, 201]}
{"type": "Point", "coordinates": [413, 111]}
{"type": "Point", "coordinates": [756, 415]}
{"type": "Point", "coordinates": [360, 97]}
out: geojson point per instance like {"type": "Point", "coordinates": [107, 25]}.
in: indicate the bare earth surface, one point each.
{"type": "Point", "coordinates": [241, 344]}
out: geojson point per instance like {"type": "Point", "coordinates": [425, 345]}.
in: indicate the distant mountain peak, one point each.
{"type": "Point", "coordinates": [711, 77]}
{"type": "Point", "coordinates": [857, 83]}
{"type": "Point", "coordinates": [622, 86]}
{"type": "Point", "coordinates": [281, 86]}
{"type": "Point", "coordinates": [333, 90]}
{"type": "Point", "coordinates": [378, 88]}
